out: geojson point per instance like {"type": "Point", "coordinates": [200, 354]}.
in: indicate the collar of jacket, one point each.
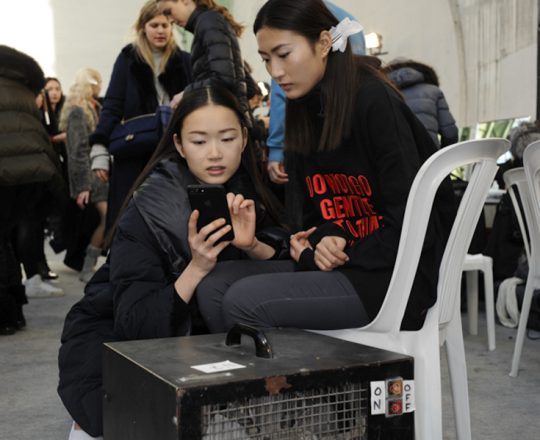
{"type": "Point", "coordinates": [193, 18]}
{"type": "Point", "coordinates": [163, 203]}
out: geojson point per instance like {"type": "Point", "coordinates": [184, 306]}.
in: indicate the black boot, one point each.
{"type": "Point", "coordinates": [20, 321]}
{"type": "Point", "coordinates": [7, 314]}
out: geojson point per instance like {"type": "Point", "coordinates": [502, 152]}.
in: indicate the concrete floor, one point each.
{"type": "Point", "coordinates": [501, 407]}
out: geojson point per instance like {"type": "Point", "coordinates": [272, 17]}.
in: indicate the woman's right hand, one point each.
{"type": "Point", "coordinates": [82, 199]}
{"type": "Point", "coordinates": [60, 137]}
{"type": "Point", "coordinates": [204, 250]}
{"type": "Point", "coordinates": [299, 243]}
{"type": "Point", "coordinates": [102, 175]}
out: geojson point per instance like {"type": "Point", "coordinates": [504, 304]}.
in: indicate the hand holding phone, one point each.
{"type": "Point", "coordinates": [211, 202]}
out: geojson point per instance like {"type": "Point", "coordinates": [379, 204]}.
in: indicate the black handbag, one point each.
{"type": "Point", "coordinates": [139, 136]}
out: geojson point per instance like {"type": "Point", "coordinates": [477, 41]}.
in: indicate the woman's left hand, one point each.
{"type": "Point", "coordinates": [329, 253]}
{"type": "Point", "coordinates": [243, 218]}
{"type": "Point", "coordinates": [176, 100]}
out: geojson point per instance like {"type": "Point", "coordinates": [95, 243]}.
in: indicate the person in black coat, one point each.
{"type": "Point", "coordinates": [158, 257]}
{"type": "Point", "coordinates": [215, 51]}
{"type": "Point", "coordinates": [28, 167]}
{"type": "Point", "coordinates": [147, 73]}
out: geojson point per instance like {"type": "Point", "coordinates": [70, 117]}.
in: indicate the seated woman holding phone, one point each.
{"type": "Point", "coordinates": [162, 249]}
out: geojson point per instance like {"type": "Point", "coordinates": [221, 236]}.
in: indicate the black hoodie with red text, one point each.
{"type": "Point", "coordinates": [359, 192]}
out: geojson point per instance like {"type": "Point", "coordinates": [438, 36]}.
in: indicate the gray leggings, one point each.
{"type": "Point", "coordinates": [270, 294]}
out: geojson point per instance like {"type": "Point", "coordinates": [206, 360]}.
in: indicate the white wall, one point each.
{"type": "Point", "coordinates": [484, 51]}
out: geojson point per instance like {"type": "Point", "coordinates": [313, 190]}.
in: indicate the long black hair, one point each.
{"type": "Point", "coordinates": [340, 82]}
{"type": "Point", "coordinates": [191, 101]}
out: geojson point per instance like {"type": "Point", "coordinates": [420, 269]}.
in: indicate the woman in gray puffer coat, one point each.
{"type": "Point", "coordinates": [78, 119]}
{"type": "Point", "coordinates": [419, 86]}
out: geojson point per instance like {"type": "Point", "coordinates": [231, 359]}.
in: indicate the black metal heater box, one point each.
{"type": "Point", "coordinates": [278, 384]}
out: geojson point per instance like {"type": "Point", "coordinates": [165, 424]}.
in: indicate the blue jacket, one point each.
{"type": "Point", "coordinates": [276, 129]}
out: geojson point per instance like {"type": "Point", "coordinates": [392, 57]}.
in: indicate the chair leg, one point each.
{"type": "Point", "coordinates": [472, 300]}
{"type": "Point", "coordinates": [457, 367]}
{"type": "Point", "coordinates": [523, 318]}
{"type": "Point", "coordinates": [428, 395]}
{"type": "Point", "coordinates": [490, 305]}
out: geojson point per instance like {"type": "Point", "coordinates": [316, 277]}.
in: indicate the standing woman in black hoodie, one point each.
{"type": "Point", "coordinates": [148, 72]}
{"type": "Point", "coordinates": [355, 147]}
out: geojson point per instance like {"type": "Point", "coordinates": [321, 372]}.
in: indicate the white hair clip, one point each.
{"type": "Point", "coordinates": [342, 32]}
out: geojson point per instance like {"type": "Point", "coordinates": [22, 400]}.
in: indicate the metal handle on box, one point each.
{"type": "Point", "coordinates": [263, 348]}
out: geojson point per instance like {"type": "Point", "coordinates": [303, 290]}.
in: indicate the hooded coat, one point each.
{"type": "Point", "coordinates": [26, 154]}
{"type": "Point", "coordinates": [419, 86]}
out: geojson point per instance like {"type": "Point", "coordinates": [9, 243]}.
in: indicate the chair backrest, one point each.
{"type": "Point", "coordinates": [515, 179]}
{"type": "Point", "coordinates": [531, 163]}
{"type": "Point", "coordinates": [483, 153]}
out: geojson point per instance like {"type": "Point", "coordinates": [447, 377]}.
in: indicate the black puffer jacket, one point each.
{"type": "Point", "coordinates": [132, 296]}
{"type": "Point", "coordinates": [215, 54]}
{"type": "Point", "coordinates": [26, 154]}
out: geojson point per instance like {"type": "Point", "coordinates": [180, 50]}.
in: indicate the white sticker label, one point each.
{"type": "Point", "coordinates": [218, 367]}
{"type": "Point", "coordinates": [408, 396]}
{"type": "Point", "coordinates": [378, 397]}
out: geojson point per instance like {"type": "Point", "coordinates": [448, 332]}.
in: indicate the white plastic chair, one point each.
{"type": "Point", "coordinates": [443, 320]}
{"type": "Point", "coordinates": [472, 265]}
{"type": "Point", "coordinates": [531, 208]}
{"type": "Point", "coordinates": [515, 179]}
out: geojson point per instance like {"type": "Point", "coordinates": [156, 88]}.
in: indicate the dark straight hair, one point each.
{"type": "Point", "coordinates": [191, 101]}
{"type": "Point", "coordinates": [340, 82]}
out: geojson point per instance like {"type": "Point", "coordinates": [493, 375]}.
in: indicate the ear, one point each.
{"type": "Point", "coordinates": [178, 146]}
{"type": "Point", "coordinates": [325, 42]}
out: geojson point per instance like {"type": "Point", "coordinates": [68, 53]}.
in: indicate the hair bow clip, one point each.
{"type": "Point", "coordinates": [342, 32]}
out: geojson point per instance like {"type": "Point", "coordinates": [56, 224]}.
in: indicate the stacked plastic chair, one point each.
{"type": "Point", "coordinates": [530, 197]}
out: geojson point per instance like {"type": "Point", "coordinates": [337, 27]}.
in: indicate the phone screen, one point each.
{"type": "Point", "coordinates": [211, 202]}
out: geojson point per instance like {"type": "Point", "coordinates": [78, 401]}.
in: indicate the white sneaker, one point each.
{"type": "Point", "coordinates": [79, 434]}
{"type": "Point", "coordinates": [37, 288]}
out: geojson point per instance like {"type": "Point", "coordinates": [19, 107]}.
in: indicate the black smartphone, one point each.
{"type": "Point", "coordinates": [211, 202]}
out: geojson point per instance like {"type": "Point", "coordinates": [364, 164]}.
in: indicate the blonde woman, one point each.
{"type": "Point", "coordinates": [148, 72]}
{"type": "Point", "coordinates": [78, 119]}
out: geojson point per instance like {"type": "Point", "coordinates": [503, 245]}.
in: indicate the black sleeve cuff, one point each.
{"type": "Point", "coordinates": [180, 309]}
{"type": "Point", "coordinates": [306, 261]}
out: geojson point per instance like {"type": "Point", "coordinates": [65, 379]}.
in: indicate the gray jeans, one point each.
{"type": "Point", "coordinates": [270, 294]}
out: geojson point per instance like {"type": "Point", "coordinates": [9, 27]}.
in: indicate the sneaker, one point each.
{"type": "Point", "coordinates": [77, 433]}
{"type": "Point", "coordinates": [37, 288]}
